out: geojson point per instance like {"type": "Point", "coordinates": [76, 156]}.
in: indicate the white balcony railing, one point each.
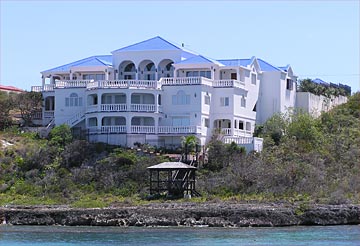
{"type": "Point", "coordinates": [144, 84]}
{"type": "Point", "coordinates": [113, 129]}
{"type": "Point", "coordinates": [71, 83]}
{"type": "Point", "coordinates": [113, 107]}
{"type": "Point", "coordinates": [236, 132]}
{"type": "Point", "coordinates": [143, 107]}
{"type": "Point", "coordinates": [239, 140]}
{"type": "Point", "coordinates": [142, 129]}
{"type": "Point", "coordinates": [146, 129]}
{"type": "Point", "coordinates": [48, 114]}
{"type": "Point", "coordinates": [47, 87]}
{"type": "Point", "coordinates": [178, 129]}
{"type": "Point", "coordinates": [228, 83]}
{"type": "Point", "coordinates": [186, 81]}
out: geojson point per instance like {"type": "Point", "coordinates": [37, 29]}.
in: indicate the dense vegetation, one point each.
{"type": "Point", "coordinates": [331, 90]}
{"type": "Point", "coordinates": [304, 159]}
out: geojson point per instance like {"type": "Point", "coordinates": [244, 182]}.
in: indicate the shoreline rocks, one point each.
{"type": "Point", "coordinates": [223, 214]}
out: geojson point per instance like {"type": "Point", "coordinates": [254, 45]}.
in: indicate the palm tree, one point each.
{"type": "Point", "coordinates": [188, 144]}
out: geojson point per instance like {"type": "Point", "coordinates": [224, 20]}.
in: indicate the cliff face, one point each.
{"type": "Point", "coordinates": [185, 214]}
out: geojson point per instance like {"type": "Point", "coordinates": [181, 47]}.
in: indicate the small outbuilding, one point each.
{"type": "Point", "coordinates": [175, 178]}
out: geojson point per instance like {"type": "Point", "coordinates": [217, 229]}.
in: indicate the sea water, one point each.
{"type": "Point", "coordinates": [61, 235]}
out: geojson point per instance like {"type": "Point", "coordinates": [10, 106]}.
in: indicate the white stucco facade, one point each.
{"type": "Point", "coordinates": [156, 92]}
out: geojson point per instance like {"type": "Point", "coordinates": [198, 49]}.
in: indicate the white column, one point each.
{"type": "Point", "coordinates": [156, 103]}
{"type": "Point", "coordinates": [106, 75]}
{"type": "Point", "coordinates": [238, 74]}
{"type": "Point", "coordinates": [156, 119]}
{"type": "Point", "coordinates": [43, 81]}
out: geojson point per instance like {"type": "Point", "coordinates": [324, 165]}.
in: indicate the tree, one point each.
{"type": "Point", "coordinates": [6, 104]}
{"type": "Point", "coordinates": [60, 135]}
{"type": "Point", "coordinates": [28, 103]}
{"type": "Point", "coordinates": [189, 144]}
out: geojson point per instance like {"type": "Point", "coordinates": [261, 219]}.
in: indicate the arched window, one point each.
{"type": "Point", "coordinates": [73, 100]}
{"type": "Point", "coordinates": [180, 98]}
{"type": "Point", "coordinates": [150, 67]}
{"type": "Point", "coordinates": [130, 68]}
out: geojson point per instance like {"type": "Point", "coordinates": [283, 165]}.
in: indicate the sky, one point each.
{"type": "Point", "coordinates": [319, 39]}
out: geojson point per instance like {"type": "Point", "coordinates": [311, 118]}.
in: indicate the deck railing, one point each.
{"type": "Point", "coordinates": [239, 140]}
{"type": "Point", "coordinates": [113, 129]}
{"type": "Point", "coordinates": [228, 83]}
{"type": "Point", "coordinates": [143, 107]}
{"type": "Point", "coordinates": [236, 132]}
{"type": "Point", "coordinates": [177, 129]}
{"type": "Point", "coordinates": [144, 84]}
{"type": "Point", "coordinates": [186, 81]}
{"type": "Point", "coordinates": [48, 114]}
{"type": "Point", "coordinates": [72, 83]}
{"type": "Point", "coordinates": [113, 107]}
{"type": "Point", "coordinates": [40, 88]}
{"type": "Point", "coordinates": [142, 129]}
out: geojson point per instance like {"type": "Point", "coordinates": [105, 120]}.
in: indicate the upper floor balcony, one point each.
{"type": "Point", "coordinates": [123, 84]}
{"type": "Point", "coordinates": [45, 88]}
{"type": "Point", "coordinates": [231, 83]}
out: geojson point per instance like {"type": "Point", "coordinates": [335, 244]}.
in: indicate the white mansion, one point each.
{"type": "Point", "coordinates": [156, 92]}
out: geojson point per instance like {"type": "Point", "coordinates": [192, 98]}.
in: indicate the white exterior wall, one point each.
{"type": "Point", "coordinates": [269, 101]}
{"type": "Point", "coordinates": [314, 104]}
{"type": "Point", "coordinates": [62, 112]}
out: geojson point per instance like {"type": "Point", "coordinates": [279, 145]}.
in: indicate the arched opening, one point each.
{"type": "Point", "coordinates": [113, 121]}
{"type": "Point", "coordinates": [127, 70]}
{"type": "Point", "coordinates": [166, 69]}
{"type": "Point", "coordinates": [50, 103]}
{"type": "Point", "coordinates": [92, 122]}
{"type": "Point", "coordinates": [147, 70]}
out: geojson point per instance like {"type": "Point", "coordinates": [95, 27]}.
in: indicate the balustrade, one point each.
{"type": "Point", "coordinates": [142, 129]}
{"type": "Point", "coordinates": [113, 129]}
{"type": "Point", "coordinates": [113, 107]}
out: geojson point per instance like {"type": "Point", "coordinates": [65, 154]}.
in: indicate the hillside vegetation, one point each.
{"type": "Point", "coordinates": [304, 159]}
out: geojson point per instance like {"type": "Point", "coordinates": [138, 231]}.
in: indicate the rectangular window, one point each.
{"type": "Point", "coordinates": [234, 76]}
{"type": "Point", "coordinates": [205, 74]}
{"type": "Point", "coordinates": [67, 102]}
{"type": "Point", "coordinates": [181, 121]}
{"type": "Point", "coordinates": [243, 101]}
{"type": "Point", "coordinates": [224, 101]}
{"type": "Point", "coordinates": [248, 126]}
{"type": "Point", "coordinates": [241, 125]}
{"type": "Point", "coordinates": [206, 122]}
{"type": "Point", "coordinates": [207, 99]}
{"type": "Point", "coordinates": [253, 79]}
{"type": "Point", "coordinates": [289, 84]}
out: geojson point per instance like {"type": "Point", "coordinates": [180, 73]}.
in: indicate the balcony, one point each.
{"type": "Point", "coordinates": [48, 114]}
{"type": "Point", "coordinates": [145, 129]}
{"type": "Point", "coordinates": [139, 84]}
{"type": "Point", "coordinates": [235, 132]}
{"type": "Point", "coordinates": [113, 129]}
{"type": "Point", "coordinates": [186, 81]}
{"type": "Point", "coordinates": [228, 83]}
{"type": "Point", "coordinates": [113, 107]}
{"type": "Point", "coordinates": [124, 108]}
{"type": "Point", "coordinates": [72, 83]}
{"type": "Point", "coordinates": [179, 129]}
{"type": "Point", "coordinates": [44, 88]}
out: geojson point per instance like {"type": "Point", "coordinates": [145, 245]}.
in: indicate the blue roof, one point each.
{"type": "Point", "coordinates": [285, 68]}
{"type": "Point", "coordinates": [320, 81]}
{"type": "Point", "coordinates": [199, 59]}
{"type": "Point", "coordinates": [235, 62]}
{"type": "Point", "coordinates": [265, 66]}
{"type": "Point", "coordinates": [103, 60]}
{"type": "Point", "coordinates": [156, 43]}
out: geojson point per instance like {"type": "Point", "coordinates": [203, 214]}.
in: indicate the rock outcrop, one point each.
{"type": "Point", "coordinates": [185, 214]}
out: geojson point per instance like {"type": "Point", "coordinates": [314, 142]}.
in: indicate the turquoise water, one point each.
{"type": "Point", "coordinates": [59, 236]}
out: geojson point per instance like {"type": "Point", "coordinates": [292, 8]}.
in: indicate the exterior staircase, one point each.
{"type": "Point", "coordinates": [77, 118]}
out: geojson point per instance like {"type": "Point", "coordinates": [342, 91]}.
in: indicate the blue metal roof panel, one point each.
{"type": "Point", "coordinates": [103, 60]}
{"type": "Point", "coordinates": [265, 66]}
{"type": "Point", "coordinates": [156, 43]}
{"type": "Point", "coordinates": [284, 68]}
{"type": "Point", "coordinates": [199, 60]}
{"type": "Point", "coordinates": [235, 62]}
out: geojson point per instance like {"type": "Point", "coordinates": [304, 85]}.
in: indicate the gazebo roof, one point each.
{"type": "Point", "coordinates": [171, 166]}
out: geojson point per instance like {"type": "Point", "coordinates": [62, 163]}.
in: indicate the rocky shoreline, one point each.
{"type": "Point", "coordinates": [223, 214]}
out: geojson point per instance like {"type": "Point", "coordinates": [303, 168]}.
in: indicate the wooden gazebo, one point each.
{"type": "Point", "coordinates": [175, 178]}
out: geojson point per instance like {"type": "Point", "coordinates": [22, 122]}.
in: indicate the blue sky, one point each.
{"type": "Point", "coordinates": [317, 38]}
